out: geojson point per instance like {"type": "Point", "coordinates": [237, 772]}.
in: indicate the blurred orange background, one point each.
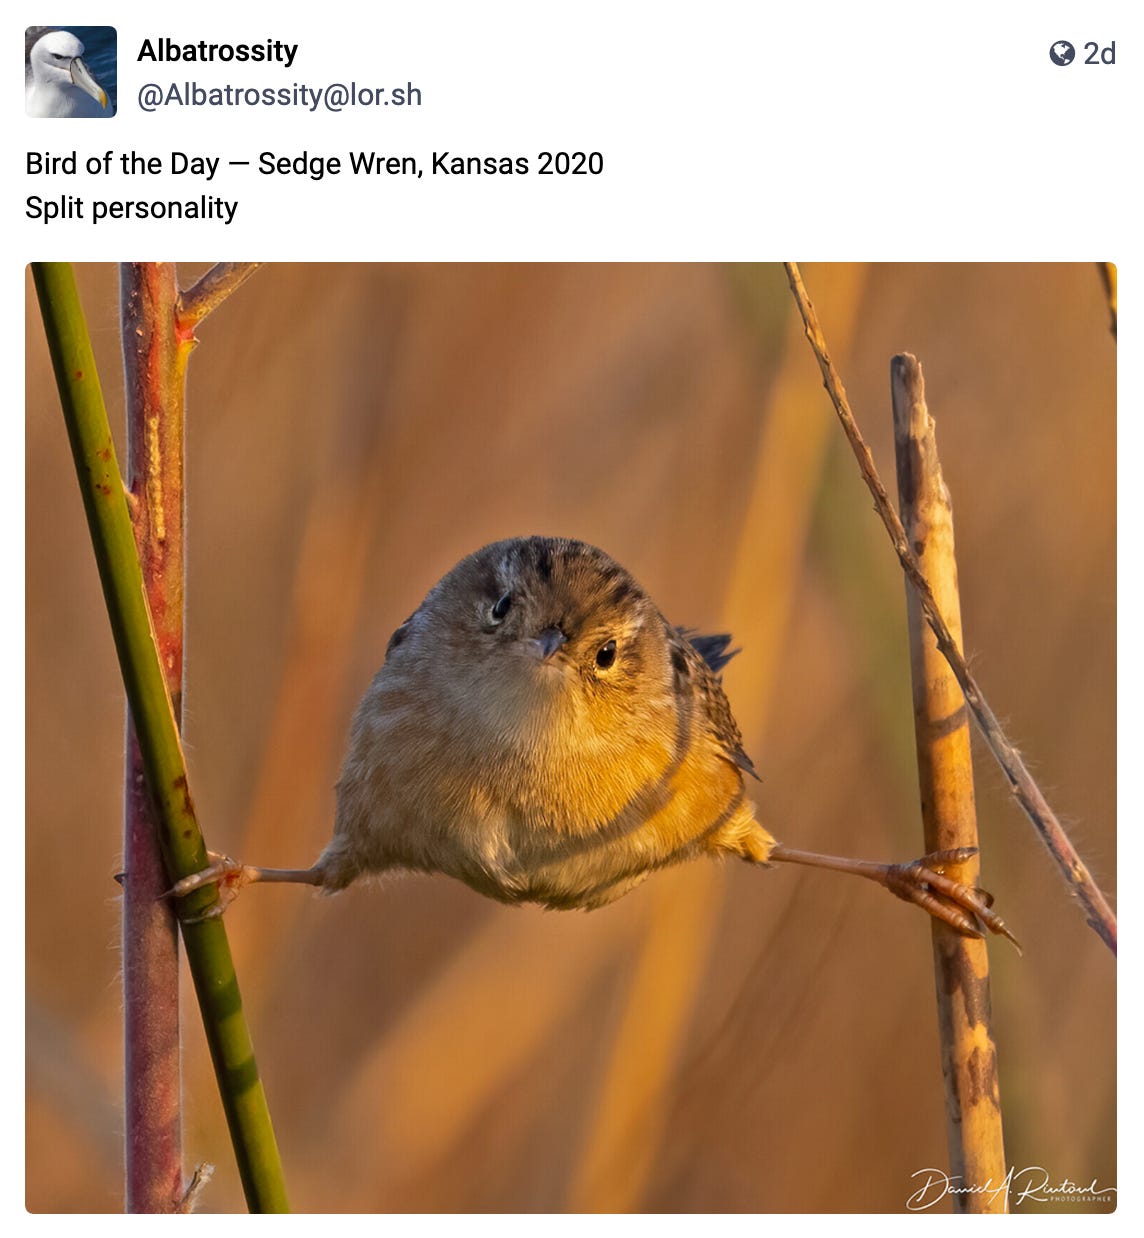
{"type": "Point", "coordinates": [723, 1039]}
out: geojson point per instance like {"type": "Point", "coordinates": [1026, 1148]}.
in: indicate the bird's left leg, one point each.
{"type": "Point", "coordinates": [230, 877]}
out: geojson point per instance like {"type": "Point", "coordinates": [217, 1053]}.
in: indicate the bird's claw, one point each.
{"type": "Point", "coordinates": [964, 908]}
{"type": "Point", "coordinates": [229, 875]}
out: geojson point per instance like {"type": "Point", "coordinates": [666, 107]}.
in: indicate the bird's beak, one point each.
{"type": "Point", "coordinates": [81, 77]}
{"type": "Point", "coordinates": [546, 643]}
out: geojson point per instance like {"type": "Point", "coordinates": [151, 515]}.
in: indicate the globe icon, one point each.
{"type": "Point", "coordinates": [1061, 52]}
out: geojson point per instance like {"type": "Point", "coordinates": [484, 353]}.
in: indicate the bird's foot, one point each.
{"type": "Point", "coordinates": [229, 875]}
{"type": "Point", "coordinates": [964, 908]}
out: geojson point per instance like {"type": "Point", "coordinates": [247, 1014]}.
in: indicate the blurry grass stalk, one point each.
{"type": "Point", "coordinates": [138, 646]}
{"type": "Point", "coordinates": [945, 772]}
{"type": "Point", "coordinates": [1028, 794]}
{"type": "Point", "coordinates": [1108, 279]}
{"type": "Point", "coordinates": [622, 1141]}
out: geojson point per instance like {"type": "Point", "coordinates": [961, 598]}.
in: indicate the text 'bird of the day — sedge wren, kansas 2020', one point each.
{"type": "Point", "coordinates": [540, 732]}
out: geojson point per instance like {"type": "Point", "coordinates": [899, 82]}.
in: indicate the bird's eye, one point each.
{"type": "Point", "coordinates": [606, 655]}
{"type": "Point", "coordinates": [500, 608]}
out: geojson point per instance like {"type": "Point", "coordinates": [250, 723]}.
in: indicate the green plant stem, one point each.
{"type": "Point", "coordinates": [113, 541]}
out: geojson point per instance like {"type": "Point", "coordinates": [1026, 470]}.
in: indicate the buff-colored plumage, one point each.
{"type": "Point", "coordinates": [540, 732]}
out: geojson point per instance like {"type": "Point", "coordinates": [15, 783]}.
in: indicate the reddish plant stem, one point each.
{"type": "Point", "coordinates": [155, 360]}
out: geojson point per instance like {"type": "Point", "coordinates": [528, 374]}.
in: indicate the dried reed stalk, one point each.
{"type": "Point", "coordinates": [945, 771]}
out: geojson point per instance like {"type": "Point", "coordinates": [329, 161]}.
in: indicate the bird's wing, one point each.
{"type": "Point", "coordinates": [698, 659]}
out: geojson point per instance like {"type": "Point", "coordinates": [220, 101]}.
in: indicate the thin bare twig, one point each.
{"type": "Point", "coordinates": [1096, 909]}
{"type": "Point", "coordinates": [945, 776]}
{"type": "Point", "coordinates": [211, 290]}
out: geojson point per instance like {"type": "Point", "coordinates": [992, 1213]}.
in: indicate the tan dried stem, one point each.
{"type": "Point", "coordinates": [1079, 880]}
{"type": "Point", "coordinates": [945, 774]}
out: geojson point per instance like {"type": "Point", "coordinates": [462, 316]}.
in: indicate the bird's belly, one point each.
{"type": "Point", "coordinates": [518, 855]}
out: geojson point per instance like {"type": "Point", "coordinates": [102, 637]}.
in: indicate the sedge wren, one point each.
{"type": "Point", "coordinates": [540, 732]}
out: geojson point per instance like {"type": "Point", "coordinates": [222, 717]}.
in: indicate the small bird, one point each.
{"type": "Point", "coordinates": [57, 81]}
{"type": "Point", "coordinates": [540, 732]}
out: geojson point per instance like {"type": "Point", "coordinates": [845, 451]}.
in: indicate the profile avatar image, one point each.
{"type": "Point", "coordinates": [1062, 52]}
{"type": "Point", "coordinates": [69, 73]}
